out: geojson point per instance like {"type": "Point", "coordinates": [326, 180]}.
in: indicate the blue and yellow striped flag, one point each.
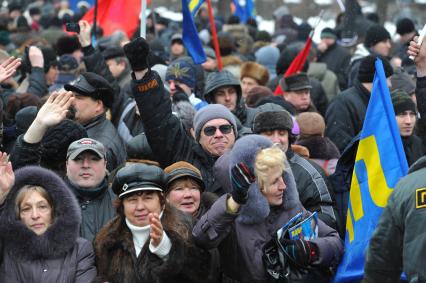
{"type": "Point", "coordinates": [190, 37]}
{"type": "Point", "coordinates": [380, 162]}
{"type": "Point", "coordinates": [194, 5]}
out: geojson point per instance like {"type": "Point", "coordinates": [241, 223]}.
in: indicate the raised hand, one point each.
{"type": "Point", "coordinates": [137, 52]}
{"type": "Point", "coordinates": [418, 50]}
{"type": "Point", "coordinates": [85, 33]}
{"type": "Point", "coordinates": [8, 68]}
{"type": "Point", "coordinates": [36, 57]}
{"type": "Point", "coordinates": [55, 109]}
{"type": "Point", "coordinates": [7, 176]}
{"type": "Point", "coordinates": [156, 233]}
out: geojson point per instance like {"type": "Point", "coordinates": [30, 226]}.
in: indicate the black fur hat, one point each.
{"type": "Point", "coordinates": [67, 44]}
{"type": "Point", "coordinates": [272, 120]}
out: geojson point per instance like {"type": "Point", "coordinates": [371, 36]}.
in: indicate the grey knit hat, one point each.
{"type": "Point", "coordinates": [210, 112]}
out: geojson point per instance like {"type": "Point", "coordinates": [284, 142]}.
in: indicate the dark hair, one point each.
{"type": "Point", "coordinates": [119, 206]}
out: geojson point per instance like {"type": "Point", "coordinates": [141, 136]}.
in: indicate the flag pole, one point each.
{"type": "Point", "coordinates": [143, 19]}
{"type": "Point", "coordinates": [95, 19]}
{"type": "Point", "coordinates": [214, 35]}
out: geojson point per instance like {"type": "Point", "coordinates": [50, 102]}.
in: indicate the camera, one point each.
{"type": "Point", "coordinates": [72, 27]}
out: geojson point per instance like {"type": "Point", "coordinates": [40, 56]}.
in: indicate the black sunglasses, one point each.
{"type": "Point", "coordinates": [211, 130]}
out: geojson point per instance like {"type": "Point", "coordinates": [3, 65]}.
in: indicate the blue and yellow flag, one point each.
{"type": "Point", "coordinates": [380, 162]}
{"type": "Point", "coordinates": [190, 35]}
{"type": "Point", "coordinates": [194, 5]}
{"type": "Point", "coordinates": [245, 11]}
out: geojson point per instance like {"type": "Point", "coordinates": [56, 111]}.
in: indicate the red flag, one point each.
{"type": "Point", "coordinates": [116, 15]}
{"type": "Point", "coordinates": [297, 64]}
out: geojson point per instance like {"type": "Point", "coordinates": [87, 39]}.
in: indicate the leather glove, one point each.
{"type": "Point", "coordinates": [241, 178]}
{"type": "Point", "coordinates": [137, 52]}
{"type": "Point", "coordinates": [301, 252]}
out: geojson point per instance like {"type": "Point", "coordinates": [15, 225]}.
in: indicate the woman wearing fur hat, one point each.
{"type": "Point", "coordinates": [242, 222]}
{"type": "Point", "coordinates": [148, 240]}
{"type": "Point", "coordinates": [39, 228]}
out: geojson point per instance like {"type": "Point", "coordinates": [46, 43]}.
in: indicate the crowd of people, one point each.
{"type": "Point", "coordinates": [124, 161]}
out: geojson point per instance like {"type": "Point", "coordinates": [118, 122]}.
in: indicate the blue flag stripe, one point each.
{"type": "Point", "coordinates": [190, 36]}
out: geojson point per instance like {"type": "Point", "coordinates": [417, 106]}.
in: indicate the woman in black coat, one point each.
{"type": "Point", "coordinates": [39, 228]}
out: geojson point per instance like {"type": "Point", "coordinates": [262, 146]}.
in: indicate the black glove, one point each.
{"type": "Point", "coordinates": [241, 178]}
{"type": "Point", "coordinates": [301, 252]}
{"type": "Point", "coordinates": [137, 52]}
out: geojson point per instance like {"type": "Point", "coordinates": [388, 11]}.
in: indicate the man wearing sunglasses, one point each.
{"type": "Point", "coordinates": [214, 126]}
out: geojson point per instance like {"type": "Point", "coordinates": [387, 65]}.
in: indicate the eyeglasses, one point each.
{"type": "Point", "coordinates": [211, 130]}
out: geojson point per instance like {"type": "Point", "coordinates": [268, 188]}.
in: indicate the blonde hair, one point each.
{"type": "Point", "coordinates": [266, 159]}
{"type": "Point", "coordinates": [24, 190]}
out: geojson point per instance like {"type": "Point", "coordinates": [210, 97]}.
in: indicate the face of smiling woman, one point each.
{"type": "Point", "coordinates": [139, 205]}
{"type": "Point", "coordinates": [185, 195]}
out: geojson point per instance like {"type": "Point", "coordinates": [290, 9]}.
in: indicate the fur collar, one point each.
{"type": "Point", "coordinates": [60, 237]}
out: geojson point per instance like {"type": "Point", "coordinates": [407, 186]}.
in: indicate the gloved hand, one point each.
{"type": "Point", "coordinates": [241, 177]}
{"type": "Point", "coordinates": [302, 252]}
{"type": "Point", "coordinates": [137, 52]}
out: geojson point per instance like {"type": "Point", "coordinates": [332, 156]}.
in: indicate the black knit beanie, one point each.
{"type": "Point", "coordinates": [404, 26]}
{"type": "Point", "coordinates": [367, 68]}
{"type": "Point", "coordinates": [402, 102]}
{"type": "Point", "coordinates": [375, 34]}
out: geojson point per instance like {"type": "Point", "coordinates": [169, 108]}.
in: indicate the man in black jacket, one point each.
{"type": "Point", "coordinates": [345, 114]}
{"type": "Point", "coordinates": [93, 96]}
{"type": "Point", "coordinates": [214, 125]}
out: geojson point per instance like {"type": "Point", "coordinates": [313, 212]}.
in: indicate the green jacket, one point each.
{"type": "Point", "coordinates": [399, 241]}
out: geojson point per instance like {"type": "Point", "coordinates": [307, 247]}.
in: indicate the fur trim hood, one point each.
{"type": "Point", "coordinates": [257, 208]}
{"type": "Point", "coordinates": [60, 237]}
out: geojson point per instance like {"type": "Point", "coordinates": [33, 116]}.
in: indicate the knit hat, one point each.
{"type": "Point", "coordinates": [268, 56]}
{"type": "Point", "coordinates": [183, 169]}
{"type": "Point", "coordinates": [367, 68]}
{"type": "Point", "coordinates": [375, 34]}
{"type": "Point", "coordinates": [24, 118]}
{"type": "Point", "coordinates": [404, 26]}
{"type": "Point", "coordinates": [310, 124]}
{"type": "Point", "coordinates": [67, 63]}
{"type": "Point", "coordinates": [182, 72]}
{"type": "Point", "coordinates": [255, 71]}
{"type": "Point", "coordinates": [295, 82]}
{"type": "Point", "coordinates": [272, 120]}
{"type": "Point", "coordinates": [216, 80]}
{"type": "Point", "coordinates": [256, 93]}
{"type": "Point", "coordinates": [58, 138]}
{"type": "Point", "coordinates": [210, 112]}
{"type": "Point", "coordinates": [176, 38]}
{"type": "Point", "coordinates": [402, 102]}
{"type": "Point", "coordinates": [67, 44]}
{"type": "Point", "coordinates": [92, 85]}
{"type": "Point", "coordinates": [402, 80]}
{"type": "Point", "coordinates": [328, 33]}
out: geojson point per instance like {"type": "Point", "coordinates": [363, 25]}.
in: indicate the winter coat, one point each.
{"type": "Point", "coordinates": [240, 237]}
{"type": "Point", "coordinates": [58, 255]}
{"type": "Point", "coordinates": [345, 115]}
{"type": "Point", "coordinates": [35, 83]}
{"type": "Point", "coordinates": [315, 191]}
{"type": "Point", "coordinates": [165, 133]}
{"type": "Point", "coordinates": [244, 114]}
{"type": "Point", "coordinates": [117, 262]}
{"type": "Point", "coordinates": [421, 107]}
{"type": "Point", "coordinates": [322, 151]}
{"type": "Point", "coordinates": [413, 148]}
{"type": "Point", "coordinates": [96, 206]}
{"type": "Point", "coordinates": [102, 130]}
{"type": "Point", "coordinates": [328, 79]}
{"type": "Point", "coordinates": [399, 241]}
{"type": "Point", "coordinates": [337, 59]}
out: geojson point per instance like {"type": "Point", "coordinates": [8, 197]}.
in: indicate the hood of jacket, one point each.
{"type": "Point", "coordinates": [60, 237]}
{"type": "Point", "coordinates": [257, 207]}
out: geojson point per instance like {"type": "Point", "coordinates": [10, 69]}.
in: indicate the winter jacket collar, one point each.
{"type": "Point", "coordinates": [95, 121]}
{"type": "Point", "coordinates": [88, 193]}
